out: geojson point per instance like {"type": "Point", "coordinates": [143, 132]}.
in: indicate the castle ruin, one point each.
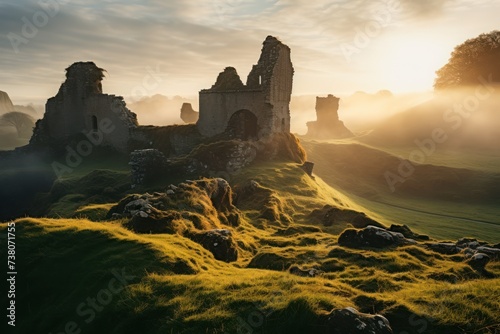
{"type": "Point", "coordinates": [257, 109]}
{"type": "Point", "coordinates": [328, 125]}
{"type": "Point", "coordinates": [229, 109]}
{"type": "Point", "coordinates": [81, 108]}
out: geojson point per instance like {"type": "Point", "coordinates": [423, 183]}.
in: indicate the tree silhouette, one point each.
{"type": "Point", "coordinates": [475, 58]}
{"type": "Point", "coordinates": [23, 123]}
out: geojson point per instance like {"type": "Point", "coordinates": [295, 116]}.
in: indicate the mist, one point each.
{"type": "Point", "coordinates": [160, 109]}
{"type": "Point", "coordinates": [360, 111]}
{"type": "Point", "coordinates": [457, 119]}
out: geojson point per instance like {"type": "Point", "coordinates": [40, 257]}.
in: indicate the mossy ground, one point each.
{"type": "Point", "coordinates": [178, 286]}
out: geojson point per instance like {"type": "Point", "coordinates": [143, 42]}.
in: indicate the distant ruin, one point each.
{"type": "Point", "coordinates": [5, 103]}
{"type": "Point", "coordinates": [188, 114]}
{"type": "Point", "coordinates": [327, 125]}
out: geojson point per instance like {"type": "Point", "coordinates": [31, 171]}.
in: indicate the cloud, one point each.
{"type": "Point", "coordinates": [191, 40]}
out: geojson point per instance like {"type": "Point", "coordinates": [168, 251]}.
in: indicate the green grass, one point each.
{"type": "Point", "coordinates": [432, 222]}
{"type": "Point", "coordinates": [454, 198]}
{"type": "Point", "coordinates": [486, 161]}
{"type": "Point", "coordinates": [178, 286]}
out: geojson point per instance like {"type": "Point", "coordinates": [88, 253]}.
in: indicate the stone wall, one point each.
{"type": "Point", "coordinates": [80, 107]}
{"type": "Point", "coordinates": [102, 109]}
{"type": "Point", "coordinates": [171, 140]}
{"type": "Point", "coordinates": [266, 95]}
{"type": "Point", "coordinates": [216, 109]}
{"type": "Point", "coordinates": [146, 165]}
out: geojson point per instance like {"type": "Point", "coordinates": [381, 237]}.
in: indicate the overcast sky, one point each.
{"type": "Point", "coordinates": [178, 47]}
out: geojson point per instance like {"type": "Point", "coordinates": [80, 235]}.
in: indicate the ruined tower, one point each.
{"type": "Point", "coordinates": [328, 125]}
{"type": "Point", "coordinates": [257, 109]}
{"type": "Point", "coordinates": [80, 108]}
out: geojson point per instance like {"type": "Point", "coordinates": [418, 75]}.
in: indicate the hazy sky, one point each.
{"type": "Point", "coordinates": [178, 47]}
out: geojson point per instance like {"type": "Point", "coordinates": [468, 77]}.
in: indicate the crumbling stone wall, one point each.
{"type": "Point", "coordinates": [80, 107]}
{"type": "Point", "coordinates": [328, 125]}
{"type": "Point", "coordinates": [171, 140]}
{"type": "Point", "coordinates": [146, 165]}
{"type": "Point", "coordinates": [266, 94]}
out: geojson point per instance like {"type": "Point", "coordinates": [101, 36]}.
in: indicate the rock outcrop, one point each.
{"type": "Point", "coordinates": [304, 272]}
{"type": "Point", "coordinates": [349, 320]}
{"type": "Point", "coordinates": [327, 125]}
{"type": "Point", "coordinates": [479, 261]}
{"type": "Point", "coordinates": [407, 232]}
{"type": "Point", "coordinates": [329, 215]}
{"type": "Point", "coordinates": [476, 253]}
{"type": "Point", "coordinates": [195, 209]}
{"type": "Point", "coordinates": [372, 236]}
{"type": "Point", "coordinates": [219, 242]}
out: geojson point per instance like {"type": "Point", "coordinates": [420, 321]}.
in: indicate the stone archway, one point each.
{"type": "Point", "coordinates": [243, 125]}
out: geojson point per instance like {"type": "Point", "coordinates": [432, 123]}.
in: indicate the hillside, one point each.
{"type": "Point", "coordinates": [448, 198]}
{"type": "Point", "coordinates": [83, 271]}
{"type": "Point", "coordinates": [464, 120]}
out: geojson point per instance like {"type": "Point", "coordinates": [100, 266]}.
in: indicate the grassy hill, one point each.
{"type": "Point", "coordinates": [445, 199]}
{"type": "Point", "coordinates": [466, 119]}
{"type": "Point", "coordinates": [94, 275]}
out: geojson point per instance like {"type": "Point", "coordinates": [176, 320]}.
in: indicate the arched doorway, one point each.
{"type": "Point", "coordinates": [243, 125]}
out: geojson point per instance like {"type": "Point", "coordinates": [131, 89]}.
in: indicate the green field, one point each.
{"type": "Point", "coordinates": [454, 198]}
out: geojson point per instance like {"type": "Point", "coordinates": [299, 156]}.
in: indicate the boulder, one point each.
{"type": "Point", "coordinates": [447, 248]}
{"type": "Point", "coordinates": [493, 253]}
{"type": "Point", "coordinates": [468, 242]}
{"type": "Point", "coordinates": [219, 242]}
{"type": "Point", "coordinates": [479, 261]}
{"type": "Point", "coordinates": [308, 272]}
{"type": "Point", "coordinates": [350, 321]}
{"type": "Point", "coordinates": [407, 232]}
{"type": "Point", "coordinates": [329, 215]}
{"type": "Point", "coordinates": [372, 236]}
{"type": "Point", "coordinates": [467, 246]}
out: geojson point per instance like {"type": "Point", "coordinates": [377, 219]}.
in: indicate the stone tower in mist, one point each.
{"type": "Point", "coordinates": [328, 125]}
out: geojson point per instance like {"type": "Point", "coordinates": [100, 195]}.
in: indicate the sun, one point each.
{"type": "Point", "coordinates": [409, 64]}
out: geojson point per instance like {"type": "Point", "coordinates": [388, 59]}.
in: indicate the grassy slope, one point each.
{"type": "Point", "coordinates": [358, 170]}
{"type": "Point", "coordinates": [179, 287]}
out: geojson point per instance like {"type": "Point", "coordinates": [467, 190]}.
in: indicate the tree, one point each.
{"type": "Point", "coordinates": [23, 123]}
{"type": "Point", "coordinates": [475, 58]}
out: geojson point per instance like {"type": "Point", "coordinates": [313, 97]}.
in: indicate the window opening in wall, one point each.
{"type": "Point", "coordinates": [94, 123]}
